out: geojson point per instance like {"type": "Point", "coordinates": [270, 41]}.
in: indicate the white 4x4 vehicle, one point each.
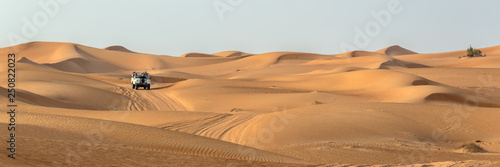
{"type": "Point", "coordinates": [140, 81]}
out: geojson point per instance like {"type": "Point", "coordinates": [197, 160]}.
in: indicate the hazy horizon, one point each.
{"type": "Point", "coordinates": [258, 26]}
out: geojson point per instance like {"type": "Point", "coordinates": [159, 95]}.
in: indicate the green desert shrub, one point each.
{"type": "Point", "coordinates": [471, 52]}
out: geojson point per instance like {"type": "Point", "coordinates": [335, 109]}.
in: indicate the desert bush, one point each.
{"type": "Point", "coordinates": [471, 52]}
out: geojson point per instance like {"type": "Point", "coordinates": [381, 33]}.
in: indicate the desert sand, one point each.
{"type": "Point", "coordinates": [391, 107]}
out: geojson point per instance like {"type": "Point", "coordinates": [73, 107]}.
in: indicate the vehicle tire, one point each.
{"type": "Point", "coordinates": [149, 87]}
{"type": "Point", "coordinates": [136, 87]}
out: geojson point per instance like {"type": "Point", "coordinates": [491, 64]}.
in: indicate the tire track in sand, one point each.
{"type": "Point", "coordinates": [101, 132]}
{"type": "Point", "coordinates": [227, 127]}
{"type": "Point", "coordinates": [151, 100]}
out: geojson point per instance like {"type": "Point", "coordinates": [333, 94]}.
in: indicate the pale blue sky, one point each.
{"type": "Point", "coordinates": [174, 27]}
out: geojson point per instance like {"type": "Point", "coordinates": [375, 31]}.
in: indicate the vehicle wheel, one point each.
{"type": "Point", "coordinates": [133, 86]}
{"type": "Point", "coordinates": [136, 87]}
{"type": "Point", "coordinates": [149, 87]}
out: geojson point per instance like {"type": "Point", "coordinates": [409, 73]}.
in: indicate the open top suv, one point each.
{"type": "Point", "coordinates": [141, 81]}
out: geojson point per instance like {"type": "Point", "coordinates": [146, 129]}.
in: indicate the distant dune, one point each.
{"type": "Point", "coordinates": [232, 108]}
{"type": "Point", "coordinates": [197, 55]}
{"type": "Point", "coordinates": [118, 48]}
{"type": "Point", "coordinates": [232, 54]}
{"type": "Point", "coordinates": [396, 50]}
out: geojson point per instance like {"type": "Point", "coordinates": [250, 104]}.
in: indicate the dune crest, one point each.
{"type": "Point", "coordinates": [232, 54]}
{"type": "Point", "coordinates": [358, 53]}
{"type": "Point", "coordinates": [197, 55]}
{"type": "Point", "coordinates": [25, 60]}
{"type": "Point", "coordinates": [396, 50]}
{"type": "Point", "coordinates": [119, 48]}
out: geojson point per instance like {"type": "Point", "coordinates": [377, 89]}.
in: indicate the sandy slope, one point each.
{"type": "Point", "coordinates": [389, 107]}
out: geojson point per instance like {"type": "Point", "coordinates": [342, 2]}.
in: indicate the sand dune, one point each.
{"type": "Point", "coordinates": [231, 108]}
{"type": "Point", "coordinates": [232, 54]}
{"type": "Point", "coordinates": [197, 55]}
{"type": "Point", "coordinates": [358, 54]}
{"type": "Point", "coordinates": [82, 59]}
{"type": "Point", "coordinates": [396, 50]}
{"type": "Point", "coordinates": [111, 134]}
{"type": "Point", "coordinates": [118, 48]}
